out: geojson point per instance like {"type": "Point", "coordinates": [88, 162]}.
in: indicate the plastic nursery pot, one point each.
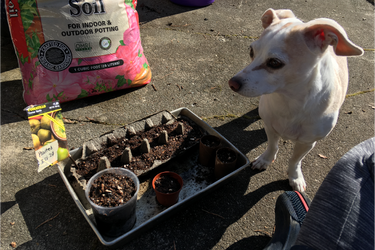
{"type": "Point", "coordinates": [225, 162]}
{"type": "Point", "coordinates": [194, 3]}
{"type": "Point", "coordinates": [207, 148]}
{"type": "Point", "coordinates": [160, 185]}
{"type": "Point", "coordinates": [114, 221]}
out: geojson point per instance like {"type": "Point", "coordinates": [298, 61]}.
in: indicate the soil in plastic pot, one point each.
{"type": "Point", "coordinates": [113, 190]}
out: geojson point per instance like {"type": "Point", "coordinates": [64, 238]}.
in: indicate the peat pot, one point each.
{"type": "Point", "coordinates": [112, 220]}
{"type": "Point", "coordinates": [207, 150]}
{"type": "Point", "coordinates": [225, 162]}
{"type": "Point", "coordinates": [167, 186]}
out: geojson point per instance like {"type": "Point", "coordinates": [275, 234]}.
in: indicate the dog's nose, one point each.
{"type": "Point", "coordinates": [234, 85]}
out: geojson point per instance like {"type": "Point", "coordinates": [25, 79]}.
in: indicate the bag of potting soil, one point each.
{"type": "Point", "coordinates": [69, 49]}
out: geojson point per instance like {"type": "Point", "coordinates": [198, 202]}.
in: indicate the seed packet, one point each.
{"type": "Point", "coordinates": [73, 49]}
{"type": "Point", "coordinates": [48, 134]}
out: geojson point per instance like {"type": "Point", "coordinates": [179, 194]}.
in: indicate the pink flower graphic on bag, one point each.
{"type": "Point", "coordinates": [133, 60]}
{"type": "Point", "coordinates": [29, 73]}
{"type": "Point", "coordinates": [99, 81]}
{"type": "Point", "coordinates": [62, 85]}
{"type": "Point", "coordinates": [132, 34]}
{"type": "Point", "coordinates": [96, 84]}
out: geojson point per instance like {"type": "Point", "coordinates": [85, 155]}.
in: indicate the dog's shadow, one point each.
{"type": "Point", "coordinates": [226, 206]}
{"type": "Point", "coordinates": [208, 222]}
{"type": "Point", "coordinates": [244, 140]}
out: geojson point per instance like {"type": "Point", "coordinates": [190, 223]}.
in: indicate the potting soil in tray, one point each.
{"type": "Point", "coordinates": [182, 135]}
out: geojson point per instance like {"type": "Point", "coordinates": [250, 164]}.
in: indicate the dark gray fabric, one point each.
{"type": "Point", "coordinates": [341, 215]}
{"type": "Point", "coordinates": [300, 247]}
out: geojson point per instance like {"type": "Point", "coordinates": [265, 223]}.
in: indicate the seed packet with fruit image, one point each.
{"type": "Point", "coordinates": [48, 134]}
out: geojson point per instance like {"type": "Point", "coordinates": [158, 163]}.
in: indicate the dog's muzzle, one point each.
{"type": "Point", "coordinates": [234, 84]}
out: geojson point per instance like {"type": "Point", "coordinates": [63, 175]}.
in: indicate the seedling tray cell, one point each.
{"type": "Point", "coordinates": [198, 181]}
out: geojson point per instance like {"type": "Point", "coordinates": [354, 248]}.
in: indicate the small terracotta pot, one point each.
{"type": "Point", "coordinates": [167, 199]}
{"type": "Point", "coordinates": [207, 152]}
{"type": "Point", "coordinates": [222, 168]}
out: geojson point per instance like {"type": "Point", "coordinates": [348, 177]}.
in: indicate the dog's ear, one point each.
{"type": "Point", "coordinates": [273, 16]}
{"type": "Point", "coordinates": [321, 33]}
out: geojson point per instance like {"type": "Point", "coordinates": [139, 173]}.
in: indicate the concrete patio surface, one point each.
{"type": "Point", "coordinates": [192, 52]}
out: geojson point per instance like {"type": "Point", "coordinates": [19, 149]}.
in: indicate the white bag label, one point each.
{"type": "Point", "coordinates": [88, 28]}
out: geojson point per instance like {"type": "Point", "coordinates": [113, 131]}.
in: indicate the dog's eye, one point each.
{"type": "Point", "coordinates": [274, 63]}
{"type": "Point", "coordinates": [251, 52]}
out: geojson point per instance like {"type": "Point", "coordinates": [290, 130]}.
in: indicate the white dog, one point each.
{"type": "Point", "coordinates": [300, 71]}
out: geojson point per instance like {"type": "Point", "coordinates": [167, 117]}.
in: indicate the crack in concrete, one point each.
{"type": "Point", "coordinates": [67, 120]}
{"type": "Point", "coordinates": [89, 120]}
{"type": "Point", "coordinates": [215, 35]}
{"type": "Point", "coordinates": [359, 93]}
{"type": "Point", "coordinates": [222, 117]}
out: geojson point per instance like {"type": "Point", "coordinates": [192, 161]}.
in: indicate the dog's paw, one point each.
{"type": "Point", "coordinates": [260, 164]}
{"type": "Point", "coordinates": [296, 180]}
{"type": "Point", "coordinates": [298, 184]}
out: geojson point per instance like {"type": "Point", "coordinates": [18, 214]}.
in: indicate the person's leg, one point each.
{"type": "Point", "coordinates": [341, 215]}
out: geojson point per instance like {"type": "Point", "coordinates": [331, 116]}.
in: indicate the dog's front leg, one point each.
{"type": "Point", "coordinates": [264, 160]}
{"type": "Point", "coordinates": [296, 179]}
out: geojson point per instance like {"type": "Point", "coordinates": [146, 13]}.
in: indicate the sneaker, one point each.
{"type": "Point", "coordinates": [290, 211]}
